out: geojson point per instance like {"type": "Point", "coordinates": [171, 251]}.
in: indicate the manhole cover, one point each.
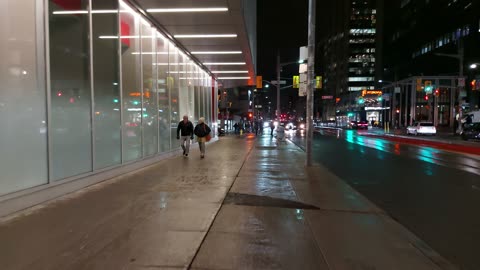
{"type": "Point", "coordinates": [256, 200]}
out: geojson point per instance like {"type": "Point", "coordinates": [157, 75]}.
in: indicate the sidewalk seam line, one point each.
{"type": "Point", "coordinates": [220, 208]}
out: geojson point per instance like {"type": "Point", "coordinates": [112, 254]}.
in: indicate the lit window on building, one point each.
{"type": "Point", "coordinates": [361, 79]}
{"type": "Point", "coordinates": [365, 31]}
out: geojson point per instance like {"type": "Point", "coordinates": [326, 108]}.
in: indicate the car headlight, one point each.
{"type": "Point", "coordinates": [302, 125]}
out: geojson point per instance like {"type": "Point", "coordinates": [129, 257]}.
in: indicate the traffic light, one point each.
{"type": "Point", "coordinates": [296, 81]}
{"type": "Point", "coordinates": [250, 115]}
{"type": "Point", "coordinates": [419, 84]}
{"type": "Point", "coordinates": [426, 97]}
{"type": "Point", "coordinates": [437, 92]}
{"type": "Point", "coordinates": [259, 82]}
{"type": "Point", "coordinates": [318, 82]}
{"type": "Point", "coordinates": [428, 86]}
{"type": "Point", "coordinates": [473, 84]}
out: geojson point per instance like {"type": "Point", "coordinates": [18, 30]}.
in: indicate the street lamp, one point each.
{"type": "Point", "coordinates": [473, 66]}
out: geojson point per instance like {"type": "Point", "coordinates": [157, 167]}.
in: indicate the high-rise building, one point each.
{"type": "Point", "coordinates": [420, 33]}
{"type": "Point", "coordinates": [351, 55]}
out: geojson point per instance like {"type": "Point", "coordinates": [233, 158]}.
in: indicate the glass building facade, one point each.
{"type": "Point", "coordinates": [362, 46]}
{"type": "Point", "coordinates": [89, 86]}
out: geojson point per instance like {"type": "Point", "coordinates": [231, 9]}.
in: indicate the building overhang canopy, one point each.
{"type": "Point", "coordinates": [213, 31]}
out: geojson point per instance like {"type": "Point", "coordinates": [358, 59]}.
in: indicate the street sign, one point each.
{"type": "Point", "coordinates": [302, 90]}
{"type": "Point", "coordinates": [397, 90]}
{"type": "Point", "coordinates": [281, 82]}
{"type": "Point", "coordinates": [303, 68]}
{"type": "Point", "coordinates": [327, 97]}
{"type": "Point", "coordinates": [461, 82]}
{"type": "Point", "coordinates": [303, 53]}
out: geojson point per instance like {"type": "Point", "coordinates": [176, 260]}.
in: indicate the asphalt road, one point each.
{"type": "Point", "coordinates": [436, 194]}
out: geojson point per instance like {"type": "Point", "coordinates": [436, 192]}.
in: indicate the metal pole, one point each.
{"type": "Point", "coordinates": [310, 76]}
{"type": "Point", "coordinates": [460, 88]}
{"type": "Point", "coordinates": [278, 84]}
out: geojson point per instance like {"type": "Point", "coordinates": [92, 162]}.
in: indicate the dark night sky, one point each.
{"type": "Point", "coordinates": [280, 24]}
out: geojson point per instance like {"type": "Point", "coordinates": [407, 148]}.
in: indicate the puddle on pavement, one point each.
{"type": "Point", "coordinates": [256, 200]}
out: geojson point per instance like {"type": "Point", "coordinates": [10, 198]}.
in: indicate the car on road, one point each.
{"type": "Point", "coordinates": [471, 132]}
{"type": "Point", "coordinates": [362, 125]}
{"type": "Point", "coordinates": [358, 124]}
{"type": "Point", "coordinates": [422, 128]}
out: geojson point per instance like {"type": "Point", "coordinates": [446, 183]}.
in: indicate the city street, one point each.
{"type": "Point", "coordinates": [434, 193]}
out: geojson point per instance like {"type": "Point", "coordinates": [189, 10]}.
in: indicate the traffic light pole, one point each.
{"type": "Point", "coordinates": [278, 84]}
{"type": "Point", "coordinates": [310, 79]}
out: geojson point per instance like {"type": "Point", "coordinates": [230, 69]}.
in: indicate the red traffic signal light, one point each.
{"type": "Point", "coordinates": [437, 92]}
{"type": "Point", "coordinates": [250, 115]}
{"type": "Point", "coordinates": [426, 97]}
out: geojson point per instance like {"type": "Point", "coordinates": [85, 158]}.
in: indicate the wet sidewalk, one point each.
{"type": "Point", "coordinates": [250, 204]}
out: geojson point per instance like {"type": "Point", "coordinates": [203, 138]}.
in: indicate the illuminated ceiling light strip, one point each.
{"type": "Point", "coordinates": [234, 78]}
{"type": "Point", "coordinates": [64, 12]}
{"type": "Point", "coordinates": [173, 10]}
{"type": "Point", "coordinates": [172, 64]}
{"type": "Point", "coordinates": [149, 53]}
{"type": "Point", "coordinates": [218, 52]}
{"type": "Point", "coordinates": [184, 72]}
{"type": "Point", "coordinates": [224, 63]}
{"type": "Point", "coordinates": [230, 71]}
{"type": "Point", "coordinates": [207, 36]}
{"type": "Point", "coordinates": [113, 37]}
{"type": "Point", "coordinates": [105, 11]}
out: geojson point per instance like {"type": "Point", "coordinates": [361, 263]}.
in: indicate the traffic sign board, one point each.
{"type": "Point", "coordinates": [281, 82]}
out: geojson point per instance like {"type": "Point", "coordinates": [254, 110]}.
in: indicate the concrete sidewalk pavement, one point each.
{"type": "Point", "coordinates": [250, 204]}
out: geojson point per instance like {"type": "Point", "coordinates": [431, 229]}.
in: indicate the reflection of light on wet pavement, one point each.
{"type": "Point", "coordinates": [430, 155]}
{"type": "Point", "coordinates": [397, 149]}
{"type": "Point", "coordinates": [299, 214]}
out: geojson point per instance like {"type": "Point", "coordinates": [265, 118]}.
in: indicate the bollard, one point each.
{"type": "Point", "coordinates": [241, 132]}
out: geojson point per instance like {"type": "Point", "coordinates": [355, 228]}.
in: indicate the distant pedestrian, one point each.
{"type": "Point", "coordinates": [272, 127]}
{"type": "Point", "coordinates": [185, 128]}
{"type": "Point", "coordinates": [202, 131]}
{"type": "Point", "coordinates": [236, 127]}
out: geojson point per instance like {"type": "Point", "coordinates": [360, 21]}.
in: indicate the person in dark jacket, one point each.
{"type": "Point", "coordinates": [201, 131]}
{"type": "Point", "coordinates": [185, 127]}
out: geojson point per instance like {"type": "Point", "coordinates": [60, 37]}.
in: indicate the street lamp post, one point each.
{"type": "Point", "coordinates": [279, 69]}
{"type": "Point", "coordinates": [310, 76]}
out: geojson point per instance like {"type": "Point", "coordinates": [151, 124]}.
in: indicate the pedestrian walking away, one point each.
{"type": "Point", "coordinates": [202, 131]}
{"type": "Point", "coordinates": [185, 130]}
{"type": "Point", "coordinates": [272, 127]}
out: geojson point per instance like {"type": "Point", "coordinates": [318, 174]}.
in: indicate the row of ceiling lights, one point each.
{"type": "Point", "coordinates": [183, 36]}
